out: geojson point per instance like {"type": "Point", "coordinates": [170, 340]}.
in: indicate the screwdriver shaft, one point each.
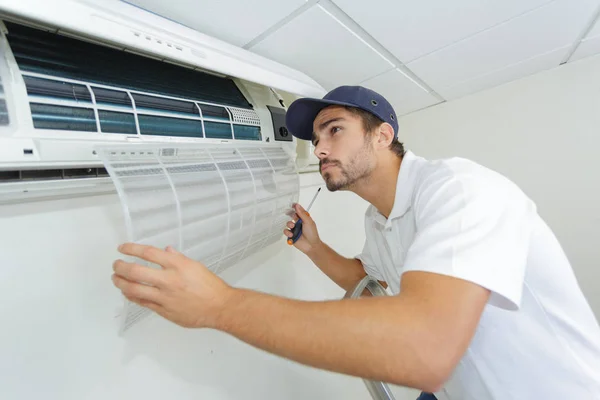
{"type": "Point", "coordinates": [313, 200]}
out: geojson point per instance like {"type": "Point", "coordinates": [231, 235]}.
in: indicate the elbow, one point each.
{"type": "Point", "coordinates": [435, 373]}
{"type": "Point", "coordinates": [429, 375]}
{"type": "Point", "coordinates": [431, 381]}
{"type": "Point", "coordinates": [433, 385]}
{"type": "Point", "coordinates": [426, 383]}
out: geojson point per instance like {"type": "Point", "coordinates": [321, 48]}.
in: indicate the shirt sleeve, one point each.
{"type": "Point", "coordinates": [365, 257]}
{"type": "Point", "coordinates": [475, 230]}
{"type": "Point", "coordinates": [368, 264]}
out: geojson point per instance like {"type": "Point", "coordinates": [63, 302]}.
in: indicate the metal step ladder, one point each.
{"type": "Point", "coordinates": [378, 390]}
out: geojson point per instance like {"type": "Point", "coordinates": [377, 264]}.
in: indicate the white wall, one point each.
{"type": "Point", "coordinates": [58, 308]}
{"type": "Point", "coordinates": [543, 132]}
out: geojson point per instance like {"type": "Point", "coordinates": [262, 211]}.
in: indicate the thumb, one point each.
{"type": "Point", "coordinates": [303, 214]}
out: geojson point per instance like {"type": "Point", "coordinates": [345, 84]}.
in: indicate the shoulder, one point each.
{"type": "Point", "coordinates": [437, 173]}
{"type": "Point", "coordinates": [459, 183]}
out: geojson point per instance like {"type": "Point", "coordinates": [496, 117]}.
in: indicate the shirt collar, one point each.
{"type": "Point", "coordinates": [404, 190]}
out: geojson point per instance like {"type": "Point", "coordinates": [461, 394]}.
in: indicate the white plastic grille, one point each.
{"type": "Point", "coordinates": [244, 116]}
{"type": "Point", "coordinates": [215, 204]}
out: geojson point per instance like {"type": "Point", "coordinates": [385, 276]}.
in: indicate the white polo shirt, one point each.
{"type": "Point", "coordinates": [537, 338]}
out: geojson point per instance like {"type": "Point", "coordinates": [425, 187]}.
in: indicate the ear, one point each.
{"type": "Point", "coordinates": [385, 136]}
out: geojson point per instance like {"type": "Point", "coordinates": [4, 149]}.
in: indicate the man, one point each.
{"type": "Point", "coordinates": [486, 305]}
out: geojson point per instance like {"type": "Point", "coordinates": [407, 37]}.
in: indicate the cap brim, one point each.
{"type": "Point", "coordinates": [302, 113]}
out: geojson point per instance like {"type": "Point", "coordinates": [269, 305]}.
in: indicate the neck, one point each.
{"type": "Point", "coordinates": [379, 188]}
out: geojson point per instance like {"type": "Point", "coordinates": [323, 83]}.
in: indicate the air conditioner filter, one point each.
{"type": "Point", "coordinates": [216, 204]}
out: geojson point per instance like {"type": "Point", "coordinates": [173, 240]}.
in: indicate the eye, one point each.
{"type": "Point", "coordinates": [335, 129]}
{"type": "Point", "coordinates": [315, 143]}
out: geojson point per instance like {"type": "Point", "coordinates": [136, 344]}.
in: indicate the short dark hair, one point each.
{"type": "Point", "coordinates": [371, 122]}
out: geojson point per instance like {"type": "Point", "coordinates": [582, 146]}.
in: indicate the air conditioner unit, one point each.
{"type": "Point", "coordinates": [78, 74]}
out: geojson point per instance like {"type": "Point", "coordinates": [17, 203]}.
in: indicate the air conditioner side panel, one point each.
{"type": "Point", "coordinates": [262, 98]}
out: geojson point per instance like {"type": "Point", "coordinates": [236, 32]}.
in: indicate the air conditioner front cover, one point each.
{"type": "Point", "coordinates": [216, 204]}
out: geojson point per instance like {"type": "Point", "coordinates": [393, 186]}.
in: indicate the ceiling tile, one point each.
{"type": "Point", "coordinates": [588, 47]}
{"type": "Point", "coordinates": [528, 67]}
{"type": "Point", "coordinates": [595, 31]}
{"type": "Point", "coordinates": [321, 47]}
{"type": "Point", "coordinates": [411, 29]}
{"type": "Point", "coordinates": [590, 44]}
{"type": "Point", "coordinates": [403, 93]}
{"type": "Point", "coordinates": [233, 21]}
{"type": "Point", "coordinates": [551, 27]}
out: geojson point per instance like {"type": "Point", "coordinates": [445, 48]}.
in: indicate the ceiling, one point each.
{"type": "Point", "coordinates": [416, 53]}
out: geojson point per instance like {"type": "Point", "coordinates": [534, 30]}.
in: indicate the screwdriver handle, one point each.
{"type": "Point", "coordinates": [297, 232]}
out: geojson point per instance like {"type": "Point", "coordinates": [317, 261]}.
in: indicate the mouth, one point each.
{"type": "Point", "coordinates": [326, 166]}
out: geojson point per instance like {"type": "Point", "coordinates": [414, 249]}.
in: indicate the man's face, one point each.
{"type": "Point", "coordinates": [343, 147]}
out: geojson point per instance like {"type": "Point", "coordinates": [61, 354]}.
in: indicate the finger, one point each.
{"type": "Point", "coordinates": [157, 308]}
{"type": "Point", "coordinates": [291, 225]}
{"type": "Point", "coordinates": [149, 253]}
{"type": "Point", "coordinates": [137, 290]}
{"type": "Point", "coordinates": [138, 273]}
{"type": "Point", "coordinates": [288, 233]}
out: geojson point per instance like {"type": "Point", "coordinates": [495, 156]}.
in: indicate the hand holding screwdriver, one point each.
{"type": "Point", "coordinates": [304, 223]}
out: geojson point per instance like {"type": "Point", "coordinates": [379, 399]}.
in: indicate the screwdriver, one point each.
{"type": "Point", "coordinates": [297, 231]}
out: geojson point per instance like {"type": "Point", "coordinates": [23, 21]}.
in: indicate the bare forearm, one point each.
{"type": "Point", "coordinates": [346, 272]}
{"type": "Point", "coordinates": [357, 337]}
{"type": "Point", "coordinates": [392, 338]}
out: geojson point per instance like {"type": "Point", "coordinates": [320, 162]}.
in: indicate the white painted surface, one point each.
{"type": "Point", "coordinates": [506, 74]}
{"type": "Point", "coordinates": [324, 49]}
{"type": "Point", "coordinates": [58, 310]}
{"type": "Point", "coordinates": [595, 31]}
{"type": "Point", "coordinates": [404, 94]}
{"type": "Point", "coordinates": [590, 45]}
{"type": "Point", "coordinates": [412, 29]}
{"type": "Point", "coordinates": [556, 25]}
{"type": "Point", "coordinates": [542, 132]}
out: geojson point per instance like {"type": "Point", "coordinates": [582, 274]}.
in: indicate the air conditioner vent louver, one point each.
{"type": "Point", "coordinates": [92, 88]}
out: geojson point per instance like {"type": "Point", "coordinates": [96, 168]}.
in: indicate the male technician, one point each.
{"type": "Point", "coordinates": [486, 305]}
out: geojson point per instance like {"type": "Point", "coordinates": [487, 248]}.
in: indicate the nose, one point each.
{"type": "Point", "coordinates": [321, 150]}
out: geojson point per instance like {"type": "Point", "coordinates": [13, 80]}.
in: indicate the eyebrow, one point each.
{"type": "Point", "coordinates": [324, 125]}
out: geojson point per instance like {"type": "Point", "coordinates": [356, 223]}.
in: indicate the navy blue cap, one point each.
{"type": "Point", "coordinates": [302, 112]}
